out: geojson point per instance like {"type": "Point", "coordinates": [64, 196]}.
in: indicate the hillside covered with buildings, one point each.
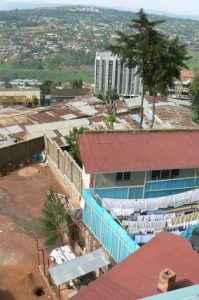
{"type": "Point", "coordinates": [66, 39]}
{"type": "Point", "coordinates": [99, 183]}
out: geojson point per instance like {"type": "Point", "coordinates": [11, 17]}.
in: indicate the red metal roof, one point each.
{"type": "Point", "coordinates": [137, 276]}
{"type": "Point", "coordinates": [184, 75]}
{"type": "Point", "coordinates": [109, 152]}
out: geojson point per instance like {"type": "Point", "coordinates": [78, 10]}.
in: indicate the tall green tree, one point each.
{"type": "Point", "coordinates": [54, 220]}
{"type": "Point", "coordinates": [167, 58]}
{"type": "Point", "coordinates": [71, 140]}
{"type": "Point", "coordinates": [157, 58]}
{"type": "Point", "coordinates": [194, 93]}
{"type": "Point", "coordinates": [46, 87]}
{"type": "Point", "coordinates": [134, 48]}
{"type": "Point", "coordinates": [6, 80]}
{"type": "Point", "coordinates": [35, 101]}
{"type": "Point", "coordinates": [77, 83]}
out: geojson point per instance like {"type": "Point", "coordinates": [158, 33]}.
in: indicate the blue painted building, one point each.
{"type": "Point", "coordinates": [123, 169]}
{"type": "Point", "coordinates": [140, 165]}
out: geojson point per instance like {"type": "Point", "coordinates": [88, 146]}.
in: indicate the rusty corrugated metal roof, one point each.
{"type": "Point", "coordinates": [157, 100]}
{"type": "Point", "coordinates": [176, 116]}
{"type": "Point", "coordinates": [112, 152]}
{"type": "Point", "coordinates": [137, 276]}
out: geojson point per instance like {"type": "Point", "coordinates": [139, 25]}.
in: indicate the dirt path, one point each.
{"type": "Point", "coordinates": [22, 196]}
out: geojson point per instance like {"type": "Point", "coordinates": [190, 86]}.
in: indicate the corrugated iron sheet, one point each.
{"type": "Point", "coordinates": [77, 267]}
{"type": "Point", "coordinates": [112, 152]}
{"type": "Point", "coordinates": [137, 276]}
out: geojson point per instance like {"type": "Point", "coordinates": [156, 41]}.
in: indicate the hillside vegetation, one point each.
{"type": "Point", "coordinates": [60, 43]}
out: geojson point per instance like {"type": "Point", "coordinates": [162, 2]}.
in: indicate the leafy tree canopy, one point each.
{"type": "Point", "coordinates": [46, 87]}
{"type": "Point", "coordinates": [194, 92]}
{"type": "Point", "coordinates": [6, 80]}
{"type": "Point", "coordinates": [77, 84]}
{"type": "Point", "coordinates": [35, 101]}
{"type": "Point", "coordinates": [71, 140]}
{"type": "Point", "coordinates": [157, 58]}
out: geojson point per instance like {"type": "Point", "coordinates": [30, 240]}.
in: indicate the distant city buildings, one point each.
{"type": "Point", "coordinates": [181, 89]}
{"type": "Point", "coordinates": [25, 83]}
{"type": "Point", "coordinates": [181, 86]}
{"type": "Point", "coordinates": [111, 73]}
{"type": "Point", "coordinates": [18, 96]}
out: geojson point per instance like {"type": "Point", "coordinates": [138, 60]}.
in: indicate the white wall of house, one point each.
{"type": "Point", "coordinates": [110, 180]}
{"type": "Point", "coordinates": [86, 178]}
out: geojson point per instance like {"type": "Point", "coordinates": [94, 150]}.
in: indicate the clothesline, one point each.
{"type": "Point", "coordinates": [143, 239]}
{"type": "Point", "coordinates": [129, 206]}
{"type": "Point", "coordinates": [144, 227]}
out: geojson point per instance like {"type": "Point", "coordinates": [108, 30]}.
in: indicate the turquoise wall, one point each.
{"type": "Point", "coordinates": [152, 189]}
{"type": "Point", "coordinates": [107, 231]}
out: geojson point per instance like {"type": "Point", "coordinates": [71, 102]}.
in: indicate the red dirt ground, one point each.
{"type": "Point", "coordinates": [22, 196]}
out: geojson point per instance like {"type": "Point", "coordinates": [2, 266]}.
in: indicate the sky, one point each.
{"type": "Point", "coordinates": [187, 7]}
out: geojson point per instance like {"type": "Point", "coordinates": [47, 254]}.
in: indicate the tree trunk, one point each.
{"type": "Point", "coordinates": [111, 125]}
{"type": "Point", "coordinates": [142, 105]}
{"type": "Point", "coordinates": [153, 109]}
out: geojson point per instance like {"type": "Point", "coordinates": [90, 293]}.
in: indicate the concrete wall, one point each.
{"type": "Point", "coordinates": [86, 179]}
{"type": "Point", "coordinates": [20, 152]}
{"type": "Point", "coordinates": [109, 180]}
{"type": "Point", "coordinates": [64, 167]}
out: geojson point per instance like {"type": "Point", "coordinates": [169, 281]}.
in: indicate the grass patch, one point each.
{"type": "Point", "coordinates": [193, 63]}
{"type": "Point", "coordinates": [66, 74]}
{"type": "Point", "coordinates": [3, 41]}
{"type": "Point", "coordinates": [36, 29]}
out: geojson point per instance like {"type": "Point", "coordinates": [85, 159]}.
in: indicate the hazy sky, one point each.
{"type": "Point", "coordinates": [188, 7]}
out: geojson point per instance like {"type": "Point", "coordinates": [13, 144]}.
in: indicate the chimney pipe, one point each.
{"type": "Point", "coordinates": [167, 280]}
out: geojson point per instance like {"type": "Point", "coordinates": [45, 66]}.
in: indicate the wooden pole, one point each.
{"type": "Point", "coordinates": [43, 258]}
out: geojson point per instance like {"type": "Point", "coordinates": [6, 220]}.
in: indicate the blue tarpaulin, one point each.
{"type": "Point", "coordinates": [137, 118]}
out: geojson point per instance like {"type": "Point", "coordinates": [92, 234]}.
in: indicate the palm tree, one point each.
{"type": "Point", "coordinates": [134, 49]}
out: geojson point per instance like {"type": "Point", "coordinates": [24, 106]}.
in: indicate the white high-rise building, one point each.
{"type": "Point", "coordinates": [110, 74]}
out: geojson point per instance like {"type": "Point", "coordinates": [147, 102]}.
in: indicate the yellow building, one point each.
{"type": "Point", "coordinates": [11, 97]}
